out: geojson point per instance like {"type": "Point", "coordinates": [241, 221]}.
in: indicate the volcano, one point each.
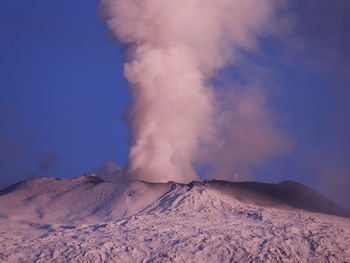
{"type": "Point", "coordinates": [87, 219]}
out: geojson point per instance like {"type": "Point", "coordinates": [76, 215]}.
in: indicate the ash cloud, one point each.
{"type": "Point", "coordinates": [14, 167]}
{"type": "Point", "coordinates": [110, 171]}
{"type": "Point", "coordinates": [46, 163]}
{"type": "Point", "coordinates": [17, 155]}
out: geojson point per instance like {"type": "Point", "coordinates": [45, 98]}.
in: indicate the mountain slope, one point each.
{"type": "Point", "coordinates": [213, 221]}
{"type": "Point", "coordinates": [85, 199]}
{"type": "Point", "coordinates": [286, 193]}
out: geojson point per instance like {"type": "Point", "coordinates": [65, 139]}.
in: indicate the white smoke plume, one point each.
{"type": "Point", "coordinates": [175, 47]}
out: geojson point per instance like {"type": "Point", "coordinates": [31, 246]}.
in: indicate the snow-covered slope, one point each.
{"type": "Point", "coordinates": [89, 220]}
{"type": "Point", "coordinates": [85, 199]}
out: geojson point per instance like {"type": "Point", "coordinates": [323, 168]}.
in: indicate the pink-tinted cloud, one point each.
{"type": "Point", "coordinates": [247, 135]}
{"type": "Point", "coordinates": [175, 47]}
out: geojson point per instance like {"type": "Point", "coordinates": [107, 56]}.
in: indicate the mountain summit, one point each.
{"type": "Point", "coordinates": [87, 219]}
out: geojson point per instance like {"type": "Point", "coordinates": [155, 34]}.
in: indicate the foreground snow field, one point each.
{"type": "Point", "coordinates": [89, 220]}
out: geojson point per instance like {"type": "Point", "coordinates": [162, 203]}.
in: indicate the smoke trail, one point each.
{"type": "Point", "coordinates": [174, 48]}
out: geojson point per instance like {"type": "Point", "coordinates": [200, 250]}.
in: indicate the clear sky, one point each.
{"type": "Point", "coordinates": [62, 93]}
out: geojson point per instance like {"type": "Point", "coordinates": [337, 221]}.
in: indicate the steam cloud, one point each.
{"type": "Point", "coordinates": [174, 48]}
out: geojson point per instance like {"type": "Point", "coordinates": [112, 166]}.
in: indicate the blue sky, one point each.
{"type": "Point", "coordinates": [62, 89]}
{"type": "Point", "coordinates": [62, 94]}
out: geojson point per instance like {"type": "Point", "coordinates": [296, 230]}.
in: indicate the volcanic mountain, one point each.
{"type": "Point", "coordinates": [87, 219]}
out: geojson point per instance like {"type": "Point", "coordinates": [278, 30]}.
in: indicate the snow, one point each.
{"type": "Point", "coordinates": [87, 219]}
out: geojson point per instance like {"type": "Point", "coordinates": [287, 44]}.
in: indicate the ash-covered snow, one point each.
{"type": "Point", "coordinates": [87, 219]}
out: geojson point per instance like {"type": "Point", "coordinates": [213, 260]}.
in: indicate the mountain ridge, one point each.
{"type": "Point", "coordinates": [87, 219]}
{"type": "Point", "coordinates": [56, 199]}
